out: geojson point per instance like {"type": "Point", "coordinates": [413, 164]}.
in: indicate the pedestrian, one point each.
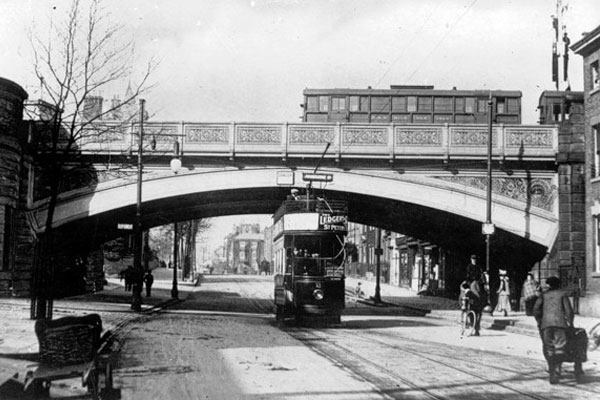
{"type": "Point", "coordinates": [530, 292]}
{"type": "Point", "coordinates": [148, 280]}
{"type": "Point", "coordinates": [476, 280]}
{"type": "Point", "coordinates": [503, 292]}
{"type": "Point", "coordinates": [554, 316]}
{"type": "Point", "coordinates": [128, 278]}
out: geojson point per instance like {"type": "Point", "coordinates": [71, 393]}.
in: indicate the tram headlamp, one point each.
{"type": "Point", "coordinates": [318, 294]}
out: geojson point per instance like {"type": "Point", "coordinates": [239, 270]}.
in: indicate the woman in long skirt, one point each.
{"type": "Point", "coordinates": [503, 296]}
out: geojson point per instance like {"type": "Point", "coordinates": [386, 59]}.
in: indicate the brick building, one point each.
{"type": "Point", "coordinates": [589, 48]}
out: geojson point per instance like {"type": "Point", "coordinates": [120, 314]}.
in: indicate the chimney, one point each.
{"type": "Point", "coordinates": [92, 107]}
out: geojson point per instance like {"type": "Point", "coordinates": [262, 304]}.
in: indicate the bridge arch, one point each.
{"type": "Point", "coordinates": [431, 209]}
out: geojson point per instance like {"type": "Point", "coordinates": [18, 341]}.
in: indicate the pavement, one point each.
{"type": "Point", "coordinates": [19, 345]}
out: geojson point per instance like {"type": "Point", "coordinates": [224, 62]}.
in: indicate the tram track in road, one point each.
{"type": "Point", "coordinates": [432, 375]}
{"type": "Point", "coordinates": [383, 372]}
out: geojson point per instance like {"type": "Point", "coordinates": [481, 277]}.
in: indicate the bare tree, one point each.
{"type": "Point", "coordinates": [83, 54]}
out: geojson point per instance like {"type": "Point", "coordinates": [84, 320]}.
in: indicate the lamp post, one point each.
{"type": "Point", "coordinates": [378, 251]}
{"type": "Point", "coordinates": [175, 166]}
{"type": "Point", "coordinates": [488, 226]}
{"type": "Point", "coordinates": [136, 289]}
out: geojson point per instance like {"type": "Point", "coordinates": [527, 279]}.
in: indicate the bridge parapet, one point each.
{"type": "Point", "coordinates": [518, 142]}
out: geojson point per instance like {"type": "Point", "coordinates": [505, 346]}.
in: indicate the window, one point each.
{"type": "Point", "coordinates": [500, 105]}
{"type": "Point", "coordinates": [338, 104]}
{"type": "Point", "coordinates": [596, 165]}
{"type": "Point", "coordinates": [556, 112]}
{"type": "Point", "coordinates": [312, 103]}
{"type": "Point", "coordinates": [597, 243]}
{"type": "Point", "coordinates": [512, 106]}
{"type": "Point", "coordinates": [425, 104]}
{"type": "Point", "coordinates": [595, 75]}
{"type": "Point", "coordinates": [459, 104]}
{"type": "Point", "coordinates": [354, 103]}
{"type": "Point", "coordinates": [442, 104]}
{"type": "Point", "coordinates": [379, 104]}
{"type": "Point", "coordinates": [482, 106]}
{"type": "Point", "coordinates": [359, 103]}
{"type": "Point", "coordinates": [411, 105]}
{"type": "Point", "coordinates": [470, 105]}
{"type": "Point", "coordinates": [323, 103]}
{"type": "Point", "coordinates": [398, 103]}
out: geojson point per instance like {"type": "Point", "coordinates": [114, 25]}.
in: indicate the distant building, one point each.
{"type": "Point", "coordinates": [245, 249]}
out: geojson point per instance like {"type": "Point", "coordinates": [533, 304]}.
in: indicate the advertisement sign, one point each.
{"type": "Point", "coordinates": [333, 222]}
{"type": "Point", "coordinates": [301, 222]}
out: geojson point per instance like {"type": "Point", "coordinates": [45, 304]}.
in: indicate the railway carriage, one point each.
{"type": "Point", "coordinates": [309, 247]}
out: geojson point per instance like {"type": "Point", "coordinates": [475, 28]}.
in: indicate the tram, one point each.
{"type": "Point", "coordinates": [309, 247]}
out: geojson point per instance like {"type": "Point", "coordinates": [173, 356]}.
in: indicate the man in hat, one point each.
{"type": "Point", "coordinates": [554, 315]}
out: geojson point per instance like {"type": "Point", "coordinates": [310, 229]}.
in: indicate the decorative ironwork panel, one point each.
{"type": "Point", "coordinates": [258, 134]}
{"type": "Point", "coordinates": [311, 135]}
{"type": "Point", "coordinates": [516, 137]}
{"type": "Point", "coordinates": [471, 136]}
{"type": "Point", "coordinates": [537, 192]}
{"type": "Point", "coordinates": [365, 136]}
{"type": "Point", "coordinates": [207, 134]}
{"type": "Point", "coordinates": [105, 134]}
{"type": "Point", "coordinates": [415, 136]}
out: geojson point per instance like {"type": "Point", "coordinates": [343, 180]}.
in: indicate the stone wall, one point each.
{"type": "Point", "coordinates": [11, 113]}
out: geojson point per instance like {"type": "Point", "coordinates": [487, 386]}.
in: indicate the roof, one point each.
{"type": "Point", "coordinates": [589, 43]}
{"type": "Point", "coordinates": [412, 91]}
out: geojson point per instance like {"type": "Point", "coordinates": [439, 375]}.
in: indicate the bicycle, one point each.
{"type": "Point", "coordinates": [468, 317]}
{"type": "Point", "coordinates": [594, 337]}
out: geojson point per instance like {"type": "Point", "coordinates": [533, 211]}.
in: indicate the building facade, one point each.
{"type": "Point", "coordinates": [245, 249]}
{"type": "Point", "coordinates": [589, 48]}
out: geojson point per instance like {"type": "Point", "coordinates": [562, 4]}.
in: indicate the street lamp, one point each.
{"type": "Point", "coordinates": [136, 289]}
{"type": "Point", "coordinates": [488, 227]}
{"type": "Point", "coordinates": [175, 167]}
{"type": "Point", "coordinates": [378, 252]}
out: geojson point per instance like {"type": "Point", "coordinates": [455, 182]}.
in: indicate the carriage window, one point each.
{"type": "Point", "coordinates": [312, 103]}
{"type": "Point", "coordinates": [398, 103]}
{"type": "Point", "coordinates": [500, 105]}
{"type": "Point", "coordinates": [459, 104]}
{"type": "Point", "coordinates": [354, 103]}
{"type": "Point", "coordinates": [323, 103]}
{"type": "Point", "coordinates": [380, 104]}
{"type": "Point", "coordinates": [442, 104]}
{"type": "Point", "coordinates": [425, 104]}
{"type": "Point", "coordinates": [470, 105]}
{"type": "Point", "coordinates": [482, 105]}
{"type": "Point", "coordinates": [512, 106]}
{"type": "Point", "coordinates": [411, 105]}
{"type": "Point", "coordinates": [338, 104]}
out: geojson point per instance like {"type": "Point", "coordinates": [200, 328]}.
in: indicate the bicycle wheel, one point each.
{"type": "Point", "coordinates": [594, 337]}
{"type": "Point", "coordinates": [469, 323]}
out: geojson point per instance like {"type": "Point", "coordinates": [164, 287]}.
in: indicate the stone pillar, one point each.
{"type": "Point", "coordinates": [566, 259]}
{"type": "Point", "coordinates": [11, 117]}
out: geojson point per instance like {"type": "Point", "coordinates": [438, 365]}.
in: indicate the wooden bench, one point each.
{"type": "Point", "coordinates": [72, 347]}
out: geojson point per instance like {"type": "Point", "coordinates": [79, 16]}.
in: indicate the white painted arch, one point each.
{"type": "Point", "coordinates": [539, 226]}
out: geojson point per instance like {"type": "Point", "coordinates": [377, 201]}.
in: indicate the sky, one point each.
{"type": "Point", "coordinates": [249, 60]}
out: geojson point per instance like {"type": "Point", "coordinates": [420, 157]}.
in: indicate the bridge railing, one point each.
{"type": "Point", "coordinates": [347, 140]}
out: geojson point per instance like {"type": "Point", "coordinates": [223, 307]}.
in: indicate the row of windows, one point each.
{"type": "Point", "coordinates": [409, 118]}
{"type": "Point", "coordinates": [503, 105]}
